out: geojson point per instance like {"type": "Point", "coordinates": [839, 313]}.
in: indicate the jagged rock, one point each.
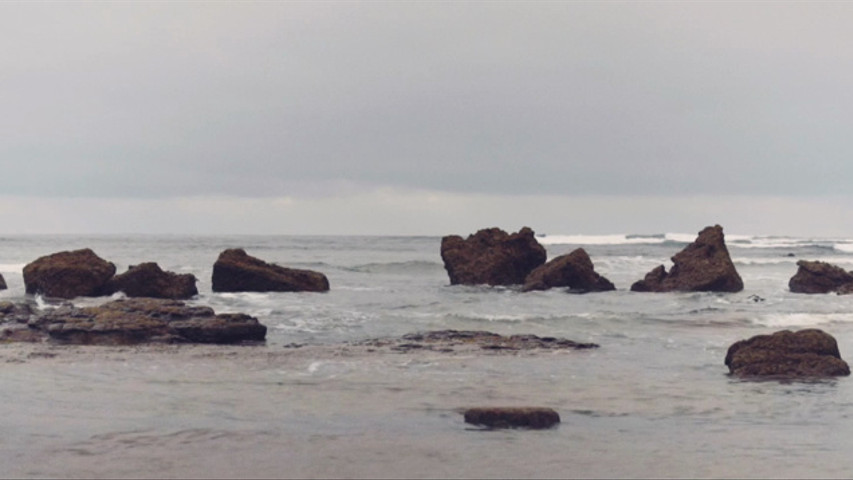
{"type": "Point", "coordinates": [236, 271]}
{"type": "Point", "coordinates": [491, 257]}
{"type": "Point", "coordinates": [149, 280]}
{"type": "Point", "coordinates": [141, 320]}
{"type": "Point", "coordinates": [820, 277]}
{"type": "Point", "coordinates": [512, 417]}
{"type": "Point", "coordinates": [2, 283]}
{"type": "Point", "coordinates": [806, 353]}
{"type": "Point", "coordinates": [703, 266]}
{"type": "Point", "coordinates": [573, 270]}
{"type": "Point", "coordinates": [68, 274]}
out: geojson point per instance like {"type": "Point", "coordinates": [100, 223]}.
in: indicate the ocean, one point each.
{"type": "Point", "coordinates": [655, 400]}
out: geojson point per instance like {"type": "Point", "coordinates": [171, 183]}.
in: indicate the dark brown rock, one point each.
{"type": "Point", "coordinates": [573, 270]}
{"type": "Point", "coordinates": [71, 274]}
{"type": "Point", "coordinates": [786, 354]}
{"type": "Point", "coordinates": [512, 417]}
{"type": "Point", "coordinates": [703, 266]}
{"type": "Point", "coordinates": [149, 280]}
{"type": "Point", "coordinates": [820, 277]}
{"type": "Point", "coordinates": [236, 271]}
{"type": "Point", "coordinates": [142, 320]}
{"type": "Point", "coordinates": [491, 257]}
{"type": "Point", "coordinates": [2, 283]}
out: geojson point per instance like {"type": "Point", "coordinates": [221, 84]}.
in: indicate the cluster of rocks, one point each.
{"type": "Point", "coordinates": [82, 273]}
{"type": "Point", "coordinates": [494, 257]}
{"type": "Point", "coordinates": [153, 311]}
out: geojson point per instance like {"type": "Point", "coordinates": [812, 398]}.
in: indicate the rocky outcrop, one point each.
{"type": "Point", "coordinates": [703, 266]}
{"type": "Point", "coordinates": [491, 257]}
{"type": "Point", "coordinates": [820, 277]}
{"type": "Point", "coordinates": [573, 270]}
{"type": "Point", "coordinates": [13, 323]}
{"type": "Point", "coordinates": [70, 274]}
{"type": "Point", "coordinates": [143, 320]}
{"type": "Point", "coordinates": [2, 283]}
{"type": "Point", "coordinates": [512, 417]}
{"type": "Point", "coordinates": [236, 271]}
{"type": "Point", "coordinates": [149, 280]}
{"type": "Point", "coordinates": [786, 354]}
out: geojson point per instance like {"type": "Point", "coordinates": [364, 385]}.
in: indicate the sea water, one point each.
{"type": "Point", "coordinates": [654, 400]}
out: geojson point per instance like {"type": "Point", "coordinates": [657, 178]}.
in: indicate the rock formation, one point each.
{"type": "Point", "coordinates": [68, 274]}
{"type": "Point", "coordinates": [491, 257]}
{"type": "Point", "coordinates": [820, 277]}
{"type": "Point", "coordinates": [149, 280]}
{"type": "Point", "coordinates": [2, 283]}
{"type": "Point", "coordinates": [142, 320]}
{"type": "Point", "coordinates": [236, 271]}
{"type": "Point", "coordinates": [786, 354]}
{"type": "Point", "coordinates": [703, 266]}
{"type": "Point", "coordinates": [512, 417]}
{"type": "Point", "coordinates": [573, 270]}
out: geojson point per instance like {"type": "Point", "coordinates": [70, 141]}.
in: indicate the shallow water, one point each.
{"type": "Point", "coordinates": [653, 401]}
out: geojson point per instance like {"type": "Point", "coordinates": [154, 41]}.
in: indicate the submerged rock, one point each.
{"type": "Point", "coordinates": [142, 320]}
{"type": "Point", "coordinates": [69, 274]}
{"type": "Point", "coordinates": [465, 340]}
{"type": "Point", "coordinates": [820, 277]}
{"type": "Point", "coordinates": [703, 266]}
{"type": "Point", "coordinates": [573, 270]}
{"type": "Point", "coordinates": [786, 354]}
{"type": "Point", "coordinates": [236, 271]}
{"type": "Point", "coordinates": [512, 417]}
{"type": "Point", "coordinates": [149, 280]}
{"type": "Point", "coordinates": [491, 257]}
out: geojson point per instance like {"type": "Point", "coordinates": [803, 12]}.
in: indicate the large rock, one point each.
{"type": "Point", "coordinates": [236, 271]}
{"type": "Point", "coordinates": [820, 277]}
{"type": "Point", "coordinates": [806, 353]}
{"type": "Point", "coordinates": [491, 257]}
{"type": "Point", "coordinates": [573, 270]}
{"type": "Point", "coordinates": [512, 417]}
{"type": "Point", "coordinates": [703, 266]}
{"type": "Point", "coordinates": [149, 280]}
{"type": "Point", "coordinates": [71, 274]}
{"type": "Point", "coordinates": [142, 320]}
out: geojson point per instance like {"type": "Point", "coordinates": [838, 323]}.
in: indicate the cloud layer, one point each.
{"type": "Point", "coordinates": [157, 100]}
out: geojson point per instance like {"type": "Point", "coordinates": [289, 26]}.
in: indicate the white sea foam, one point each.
{"type": "Point", "coordinates": [11, 267]}
{"type": "Point", "coordinates": [843, 247]}
{"type": "Point", "coordinates": [785, 320]}
{"type": "Point", "coordinates": [612, 239]}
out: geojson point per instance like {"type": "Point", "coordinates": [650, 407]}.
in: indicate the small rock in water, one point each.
{"type": "Point", "coordinates": [512, 417]}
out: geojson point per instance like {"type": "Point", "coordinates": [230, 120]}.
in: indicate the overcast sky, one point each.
{"type": "Point", "coordinates": [426, 117]}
